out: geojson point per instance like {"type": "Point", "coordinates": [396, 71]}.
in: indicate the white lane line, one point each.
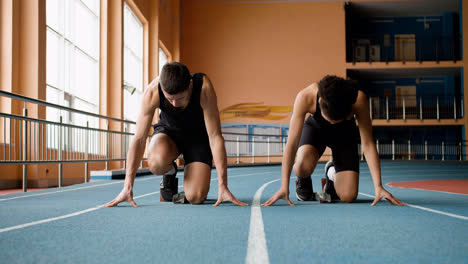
{"type": "Point", "coordinates": [74, 189]}
{"type": "Point", "coordinates": [427, 209]}
{"type": "Point", "coordinates": [89, 210]}
{"type": "Point", "coordinates": [48, 220]}
{"type": "Point", "coordinates": [257, 251]}
{"type": "Point", "coordinates": [65, 216]}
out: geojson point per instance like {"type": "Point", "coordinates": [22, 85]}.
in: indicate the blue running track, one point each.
{"type": "Point", "coordinates": [67, 225]}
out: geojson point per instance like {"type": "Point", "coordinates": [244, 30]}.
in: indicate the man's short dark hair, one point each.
{"type": "Point", "coordinates": [338, 96]}
{"type": "Point", "coordinates": [175, 77]}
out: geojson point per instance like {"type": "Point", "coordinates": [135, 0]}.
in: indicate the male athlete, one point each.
{"type": "Point", "coordinates": [335, 105]}
{"type": "Point", "coordinates": [189, 124]}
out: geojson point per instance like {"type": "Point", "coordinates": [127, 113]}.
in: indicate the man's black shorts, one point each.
{"type": "Point", "coordinates": [341, 138]}
{"type": "Point", "coordinates": [194, 147]}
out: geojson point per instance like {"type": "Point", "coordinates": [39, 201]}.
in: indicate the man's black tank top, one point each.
{"type": "Point", "coordinates": [190, 120]}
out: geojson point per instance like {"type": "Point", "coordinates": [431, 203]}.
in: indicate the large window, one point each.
{"type": "Point", "coordinates": [133, 64]}
{"type": "Point", "coordinates": [73, 56]}
{"type": "Point", "coordinates": [72, 59]}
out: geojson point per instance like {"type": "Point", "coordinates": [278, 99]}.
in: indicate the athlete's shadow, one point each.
{"type": "Point", "coordinates": [369, 201]}
{"type": "Point", "coordinates": [213, 201]}
{"type": "Point", "coordinates": [301, 203]}
{"type": "Point", "coordinates": [210, 201]}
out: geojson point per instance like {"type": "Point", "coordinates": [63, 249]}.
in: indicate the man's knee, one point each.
{"type": "Point", "coordinates": [196, 196]}
{"type": "Point", "coordinates": [348, 197]}
{"type": "Point", "coordinates": [158, 165]}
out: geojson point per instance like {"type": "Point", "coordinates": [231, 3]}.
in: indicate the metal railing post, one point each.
{"type": "Point", "coordinates": [420, 108]}
{"type": "Point", "coordinates": [86, 151]}
{"type": "Point", "coordinates": [461, 151]}
{"type": "Point", "coordinates": [25, 150]}
{"type": "Point", "coordinates": [437, 107]}
{"type": "Point", "coordinates": [393, 149]}
{"type": "Point", "coordinates": [253, 150]}
{"type": "Point", "coordinates": [404, 108]}
{"type": "Point", "coordinates": [107, 145]}
{"type": "Point", "coordinates": [386, 106]}
{"type": "Point", "coordinates": [4, 137]}
{"type": "Point", "coordinates": [443, 150]}
{"type": "Point", "coordinates": [123, 148]}
{"type": "Point", "coordinates": [425, 149]}
{"type": "Point", "coordinates": [60, 152]}
{"type": "Point", "coordinates": [377, 146]}
{"type": "Point", "coordinates": [454, 108]}
{"type": "Point", "coordinates": [237, 151]}
{"type": "Point", "coordinates": [268, 149]}
{"type": "Point", "coordinates": [409, 149]}
{"type": "Point", "coordinates": [462, 108]}
{"type": "Point", "coordinates": [370, 107]}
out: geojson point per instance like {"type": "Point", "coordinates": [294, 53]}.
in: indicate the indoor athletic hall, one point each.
{"type": "Point", "coordinates": [78, 80]}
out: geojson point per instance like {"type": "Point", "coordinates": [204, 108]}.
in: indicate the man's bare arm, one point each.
{"type": "Point", "coordinates": [138, 144]}
{"type": "Point", "coordinates": [367, 140]}
{"type": "Point", "coordinates": [209, 103]}
{"type": "Point", "coordinates": [136, 150]}
{"type": "Point", "coordinates": [301, 107]}
{"type": "Point", "coordinates": [295, 129]}
{"type": "Point", "coordinates": [370, 150]}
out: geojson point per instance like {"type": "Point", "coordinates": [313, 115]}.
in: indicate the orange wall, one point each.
{"type": "Point", "coordinates": [169, 11]}
{"type": "Point", "coordinates": [165, 23]}
{"type": "Point", "coordinates": [262, 52]}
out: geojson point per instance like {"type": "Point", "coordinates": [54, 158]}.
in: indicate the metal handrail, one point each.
{"type": "Point", "coordinates": [416, 107]}
{"type": "Point", "coordinates": [28, 140]}
{"type": "Point", "coordinates": [69, 109]}
{"type": "Point", "coordinates": [17, 117]}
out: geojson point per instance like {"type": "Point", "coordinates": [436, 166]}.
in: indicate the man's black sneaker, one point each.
{"type": "Point", "coordinates": [304, 189]}
{"type": "Point", "coordinates": [329, 193]}
{"type": "Point", "coordinates": [168, 185]}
